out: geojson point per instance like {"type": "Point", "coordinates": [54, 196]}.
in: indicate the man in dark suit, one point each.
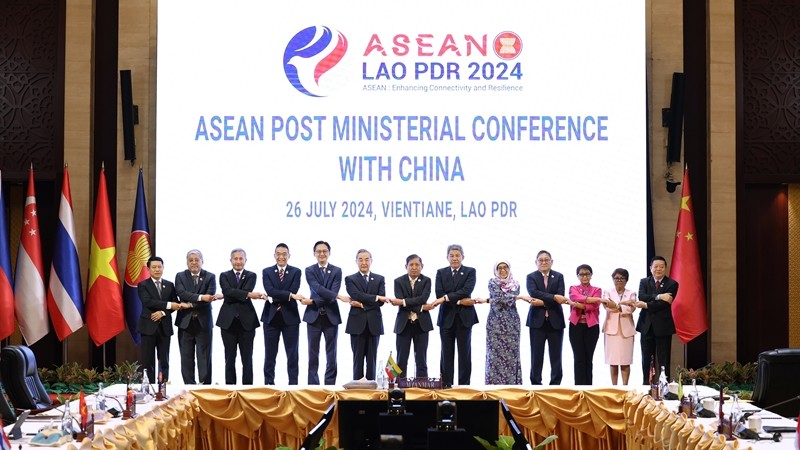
{"type": "Point", "coordinates": [367, 293]}
{"type": "Point", "coordinates": [159, 299]}
{"type": "Point", "coordinates": [655, 324]}
{"type": "Point", "coordinates": [237, 318]}
{"type": "Point", "coordinates": [546, 317]}
{"type": "Point", "coordinates": [198, 288]}
{"type": "Point", "coordinates": [280, 315]}
{"type": "Point", "coordinates": [413, 321]}
{"type": "Point", "coordinates": [454, 285]}
{"type": "Point", "coordinates": [322, 312]}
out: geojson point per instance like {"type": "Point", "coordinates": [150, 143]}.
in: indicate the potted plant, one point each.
{"type": "Point", "coordinates": [507, 443]}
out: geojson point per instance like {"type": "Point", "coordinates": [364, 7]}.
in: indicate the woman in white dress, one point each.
{"type": "Point", "coordinates": [618, 329]}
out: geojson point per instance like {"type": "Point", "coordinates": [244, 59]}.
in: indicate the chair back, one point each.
{"type": "Point", "coordinates": [776, 381]}
{"type": "Point", "coordinates": [20, 376]}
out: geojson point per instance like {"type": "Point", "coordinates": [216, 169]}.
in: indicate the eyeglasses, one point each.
{"type": "Point", "coordinates": [544, 261]}
{"type": "Point", "coordinates": [619, 279]}
{"type": "Point", "coordinates": [584, 274]}
{"type": "Point", "coordinates": [320, 252]}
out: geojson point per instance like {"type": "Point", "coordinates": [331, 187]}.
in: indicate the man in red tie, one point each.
{"type": "Point", "coordinates": [280, 314]}
{"type": "Point", "coordinates": [237, 317]}
{"type": "Point", "coordinates": [655, 324]}
{"type": "Point", "coordinates": [546, 317]}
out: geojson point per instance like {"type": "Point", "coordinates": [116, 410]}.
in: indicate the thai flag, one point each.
{"type": "Point", "coordinates": [6, 287]}
{"type": "Point", "coordinates": [64, 295]}
{"type": "Point", "coordinates": [29, 296]}
{"type": "Point", "coordinates": [136, 267]}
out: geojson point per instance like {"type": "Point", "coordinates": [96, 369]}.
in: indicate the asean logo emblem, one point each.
{"type": "Point", "coordinates": [507, 45]}
{"type": "Point", "coordinates": [308, 57]}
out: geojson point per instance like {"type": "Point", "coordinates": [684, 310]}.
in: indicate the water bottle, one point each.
{"type": "Point", "coordinates": [145, 383]}
{"type": "Point", "coordinates": [663, 384]}
{"type": "Point", "coordinates": [380, 378]}
{"type": "Point", "coordinates": [66, 420]}
{"type": "Point", "coordinates": [100, 399]}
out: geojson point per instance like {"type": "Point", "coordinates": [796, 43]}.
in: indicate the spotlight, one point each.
{"type": "Point", "coordinates": [397, 402]}
{"type": "Point", "coordinates": [446, 416]}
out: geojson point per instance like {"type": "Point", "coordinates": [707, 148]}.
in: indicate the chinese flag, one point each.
{"type": "Point", "coordinates": [689, 307]}
{"type": "Point", "coordinates": [105, 316]}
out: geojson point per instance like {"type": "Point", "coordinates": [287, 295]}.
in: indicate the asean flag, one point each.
{"type": "Point", "coordinates": [104, 313]}
{"type": "Point", "coordinates": [136, 267]}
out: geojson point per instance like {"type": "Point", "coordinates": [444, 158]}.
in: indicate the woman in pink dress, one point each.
{"type": "Point", "coordinates": [618, 328]}
{"type": "Point", "coordinates": [584, 323]}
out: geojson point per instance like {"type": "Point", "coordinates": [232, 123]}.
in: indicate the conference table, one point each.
{"type": "Point", "coordinates": [261, 418]}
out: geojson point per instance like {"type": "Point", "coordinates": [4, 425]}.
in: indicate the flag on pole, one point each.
{"type": "Point", "coordinates": [104, 313]}
{"type": "Point", "coordinates": [392, 369]}
{"type": "Point", "coordinates": [29, 297]}
{"type": "Point", "coordinates": [65, 293]}
{"type": "Point", "coordinates": [5, 444]}
{"type": "Point", "coordinates": [689, 306]}
{"type": "Point", "coordinates": [136, 267]}
{"type": "Point", "coordinates": [6, 286]}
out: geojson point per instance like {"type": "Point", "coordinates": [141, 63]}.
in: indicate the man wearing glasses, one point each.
{"type": "Point", "coordinates": [322, 312]}
{"type": "Point", "coordinates": [545, 317]}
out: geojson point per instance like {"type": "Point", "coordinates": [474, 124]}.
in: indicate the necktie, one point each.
{"type": "Point", "coordinates": [158, 287]}
{"type": "Point", "coordinates": [546, 313]}
{"type": "Point", "coordinates": [323, 274]}
{"type": "Point", "coordinates": [196, 279]}
{"type": "Point", "coordinates": [280, 274]}
{"type": "Point", "coordinates": [454, 275]}
{"type": "Point", "coordinates": [238, 276]}
{"type": "Point", "coordinates": [366, 280]}
{"type": "Point", "coordinates": [412, 316]}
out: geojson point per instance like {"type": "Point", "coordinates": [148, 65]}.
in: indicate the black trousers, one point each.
{"type": "Point", "coordinates": [412, 332]}
{"type": "Point", "coordinates": [658, 348]}
{"type": "Point", "coordinates": [554, 338]}
{"type": "Point", "coordinates": [583, 339]}
{"type": "Point", "coordinates": [236, 336]}
{"type": "Point", "coordinates": [195, 340]}
{"type": "Point", "coordinates": [291, 339]}
{"type": "Point", "coordinates": [365, 348]}
{"type": "Point", "coordinates": [152, 344]}
{"type": "Point", "coordinates": [459, 336]}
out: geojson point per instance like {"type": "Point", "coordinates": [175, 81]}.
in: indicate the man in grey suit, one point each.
{"type": "Point", "coordinates": [413, 317]}
{"type": "Point", "coordinates": [322, 312]}
{"type": "Point", "coordinates": [454, 285]}
{"type": "Point", "coordinates": [198, 288]}
{"type": "Point", "coordinates": [546, 317]}
{"type": "Point", "coordinates": [367, 292]}
{"type": "Point", "coordinates": [159, 299]}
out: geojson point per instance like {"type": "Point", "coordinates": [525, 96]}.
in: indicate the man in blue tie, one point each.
{"type": "Point", "coordinates": [322, 313]}
{"type": "Point", "coordinates": [367, 292]}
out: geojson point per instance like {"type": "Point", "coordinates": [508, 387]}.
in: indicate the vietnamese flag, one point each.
{"type": "Point", "coordinates": [105, 317]}
{"type": "Point", "coordinates": [689, 307]}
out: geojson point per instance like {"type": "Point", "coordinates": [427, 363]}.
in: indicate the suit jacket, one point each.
{"type": "Point", "coordinates": [235, 303]}
{"type": "Point", "coordinates": [456, 288]}
{"type": "Point", "coordinates": [370, 315]}
{"type": "Point", "coordinates": [188, 292]}
{"type": "Point", "coordinates": [536, 289]}
{"type": "Point", "coordinates": [323, 293]}
{"type": "Point", "coordinates": [280, 292]}
{"type": "Point", "coordinates": [615, 321]}
{"type": "Point", "coordinates": [152, 301]}
{"type": "Point", "coordinates": [414, 298]}
{"type": "Point", "coordinates": [658, 314]}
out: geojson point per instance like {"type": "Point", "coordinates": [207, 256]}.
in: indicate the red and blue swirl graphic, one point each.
{"type": "Point", "coordinates": [310, 54]}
